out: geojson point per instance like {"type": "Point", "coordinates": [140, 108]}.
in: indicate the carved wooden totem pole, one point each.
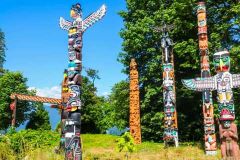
{"type": "Point", "coordinates": [75, 32]}
{"type": "Point", "coordinates": [134, 120]}
{"type": "Point", "coordinates": [209, 127]}
{"type": "Point", "coordinates": [223, 82]}
{"type": "Point", "coordinates": [64, 113]}
{"type": "Point", "coordinates": [169, 96]}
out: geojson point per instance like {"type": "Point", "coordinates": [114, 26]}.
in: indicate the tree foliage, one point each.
{"type": "Point", "coordinates": [39, 118]}
{"type": "Point", "coordinates": [101, 113]}
{"type": "Point", "coordinates": [93, 74]}
{"type": "Point", "coordinates": [116, 107]}
{"type": "Point", "coordinates": [2, 49]}
{"type": "Point", "coordinates": [142, 42]}
{"type": "Point", "coordinates": [92, 108]}
{"type": "Point", "coordinates": [13, 82]}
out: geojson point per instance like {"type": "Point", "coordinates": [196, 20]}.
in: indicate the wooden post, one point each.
{"type": "Point", "coordinates": [13, 106]}
{"type": "Point", "coordinates": [134, 116]}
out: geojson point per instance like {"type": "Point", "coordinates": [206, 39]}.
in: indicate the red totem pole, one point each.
{"type": "Point", "coordinates": [134, 117]}
{"type": "Point", "coordinates": [209, 128]}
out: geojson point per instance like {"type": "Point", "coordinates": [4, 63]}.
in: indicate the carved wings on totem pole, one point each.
{"type": "Point", "coordinates": [209, 83]}
{"type": "Point", "coordinates": [86, 23]}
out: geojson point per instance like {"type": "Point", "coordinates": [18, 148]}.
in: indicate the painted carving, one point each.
{"type": "Point", "coordinates": [134, 117]}
{"type": "Point", "coordinates": [75, 29]}
{"type": "Point", "coordinates": [202, 27]}
{"type": "Point", "coordinates": [229, 138]}
{"type": "Point", "coordinates": [209, 128]}
{"type": "Point", "coordinates": [222, 82]}
{"type": "Point", "coordinates": [169, 96]}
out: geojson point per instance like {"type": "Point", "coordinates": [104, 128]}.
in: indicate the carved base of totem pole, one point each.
{"type": "Point", "coordinates": [209, 130]}
{"type": "Point", "coordinates": [229, 138]}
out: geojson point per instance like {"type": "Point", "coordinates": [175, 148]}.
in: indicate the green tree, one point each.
{"type": "Point", "coordinates": [93, 74]}
{"type": "Point", "coordinates": [2, 49]}
{"type": "Point", "coordinates": [12, 82]}
{"type": "Point", "coordinates": [91, 109]}
{"type": "Point", "coordinates": [115, 108]}
{"type": "Point", "coordinates": [39, 118]}
{"type": "Point", "coordinates": [142, 42]}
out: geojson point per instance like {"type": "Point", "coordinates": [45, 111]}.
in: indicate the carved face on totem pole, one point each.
{"type": "Point", "coordinates": [223, 82]}
{"type": "Point", "coordinates": [168, 75]}
{"type": "Point", "coordinates": [221, 61]}
{"type": "Point", "coordinates": [76, 11]}
{"type": "Point", "coordinates": [133, 64]}
{"type": "Point", "coordinates": [133, 71]}
{"type": "Point", "coordinates": [225, 96]}
{"type": "Point", "coordinates": [202, 26]}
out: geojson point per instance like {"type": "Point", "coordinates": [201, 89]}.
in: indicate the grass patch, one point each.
{"type": "Point", "coordinates": [39, 145]}
{"type": "Point", "coordinates": [103, 147]}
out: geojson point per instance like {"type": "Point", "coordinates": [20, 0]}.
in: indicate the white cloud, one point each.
{"type": "Point", "coordinates": [55, 92]}
{"type": "Point", "coordinates": [105, 94]}
{"type": "Point", "coordinates": [51, 92]}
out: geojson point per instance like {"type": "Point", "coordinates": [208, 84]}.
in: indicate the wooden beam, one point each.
{"type": "Point", "coordinates": [36, 98]}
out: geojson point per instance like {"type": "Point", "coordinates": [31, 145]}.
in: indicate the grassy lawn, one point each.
{"type": "Point", "coordinates": [103, 147]}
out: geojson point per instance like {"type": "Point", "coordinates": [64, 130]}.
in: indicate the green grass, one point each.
{"type": "Point", "coordinates": [103, 147]}
{"type": "Point", "coordinates": [99, 147]}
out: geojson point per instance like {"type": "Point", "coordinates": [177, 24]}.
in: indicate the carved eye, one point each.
{"type": "Point", "coordinates": [78, 42]}
{"type": "Point", "coordinates": [216, 60]}
{"type": "Point", "coordinates": [225, 59]}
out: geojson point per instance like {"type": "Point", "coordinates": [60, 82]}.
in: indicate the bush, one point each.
{"type": "Point", "coordinates": [24, 141]}
{"type": "Point", "coordinates": [126, 143]}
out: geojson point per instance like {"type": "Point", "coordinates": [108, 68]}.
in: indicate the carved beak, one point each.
{"type": "Point", "coordinates": [72, 13]}
{"type": "Point", "coordinates": [221, 64]}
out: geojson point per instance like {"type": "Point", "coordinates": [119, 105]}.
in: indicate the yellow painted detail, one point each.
{"type": "Point", "coordinates": [221, 64]}
{"type": "Point", "coordinates": [74, 108]}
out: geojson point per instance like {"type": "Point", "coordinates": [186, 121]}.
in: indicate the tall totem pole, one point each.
{"type": "Point", "coordinates": [209, 127]}
{"type": "Point", "coordinates": [222, 82]}
{"type": "Point", "coordinates": [134, 116]}
{"type": "Point", "coordinates": [169, 95]}
{"type": "Point", "coordinates": [75, 32]}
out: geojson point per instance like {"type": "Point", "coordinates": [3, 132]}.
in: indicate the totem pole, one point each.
{"type": "Point", "coordinates": [223, 82]}
{"type": "Point", "coordinates": [75, 31]}
{"type": "Point", "coordinates": [62, 107]}
{"type": "Point", "coordinates": [134, 117]}
{"type": "Point", "coordinates": [169, 96]}
{"type": "Point", "coordinates": [209, 128]}
{"type": "Point", "coordinates": [64, 113]}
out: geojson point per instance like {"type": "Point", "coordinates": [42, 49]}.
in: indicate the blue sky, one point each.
{"type": "Point", "coordinates": [37, 46]}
